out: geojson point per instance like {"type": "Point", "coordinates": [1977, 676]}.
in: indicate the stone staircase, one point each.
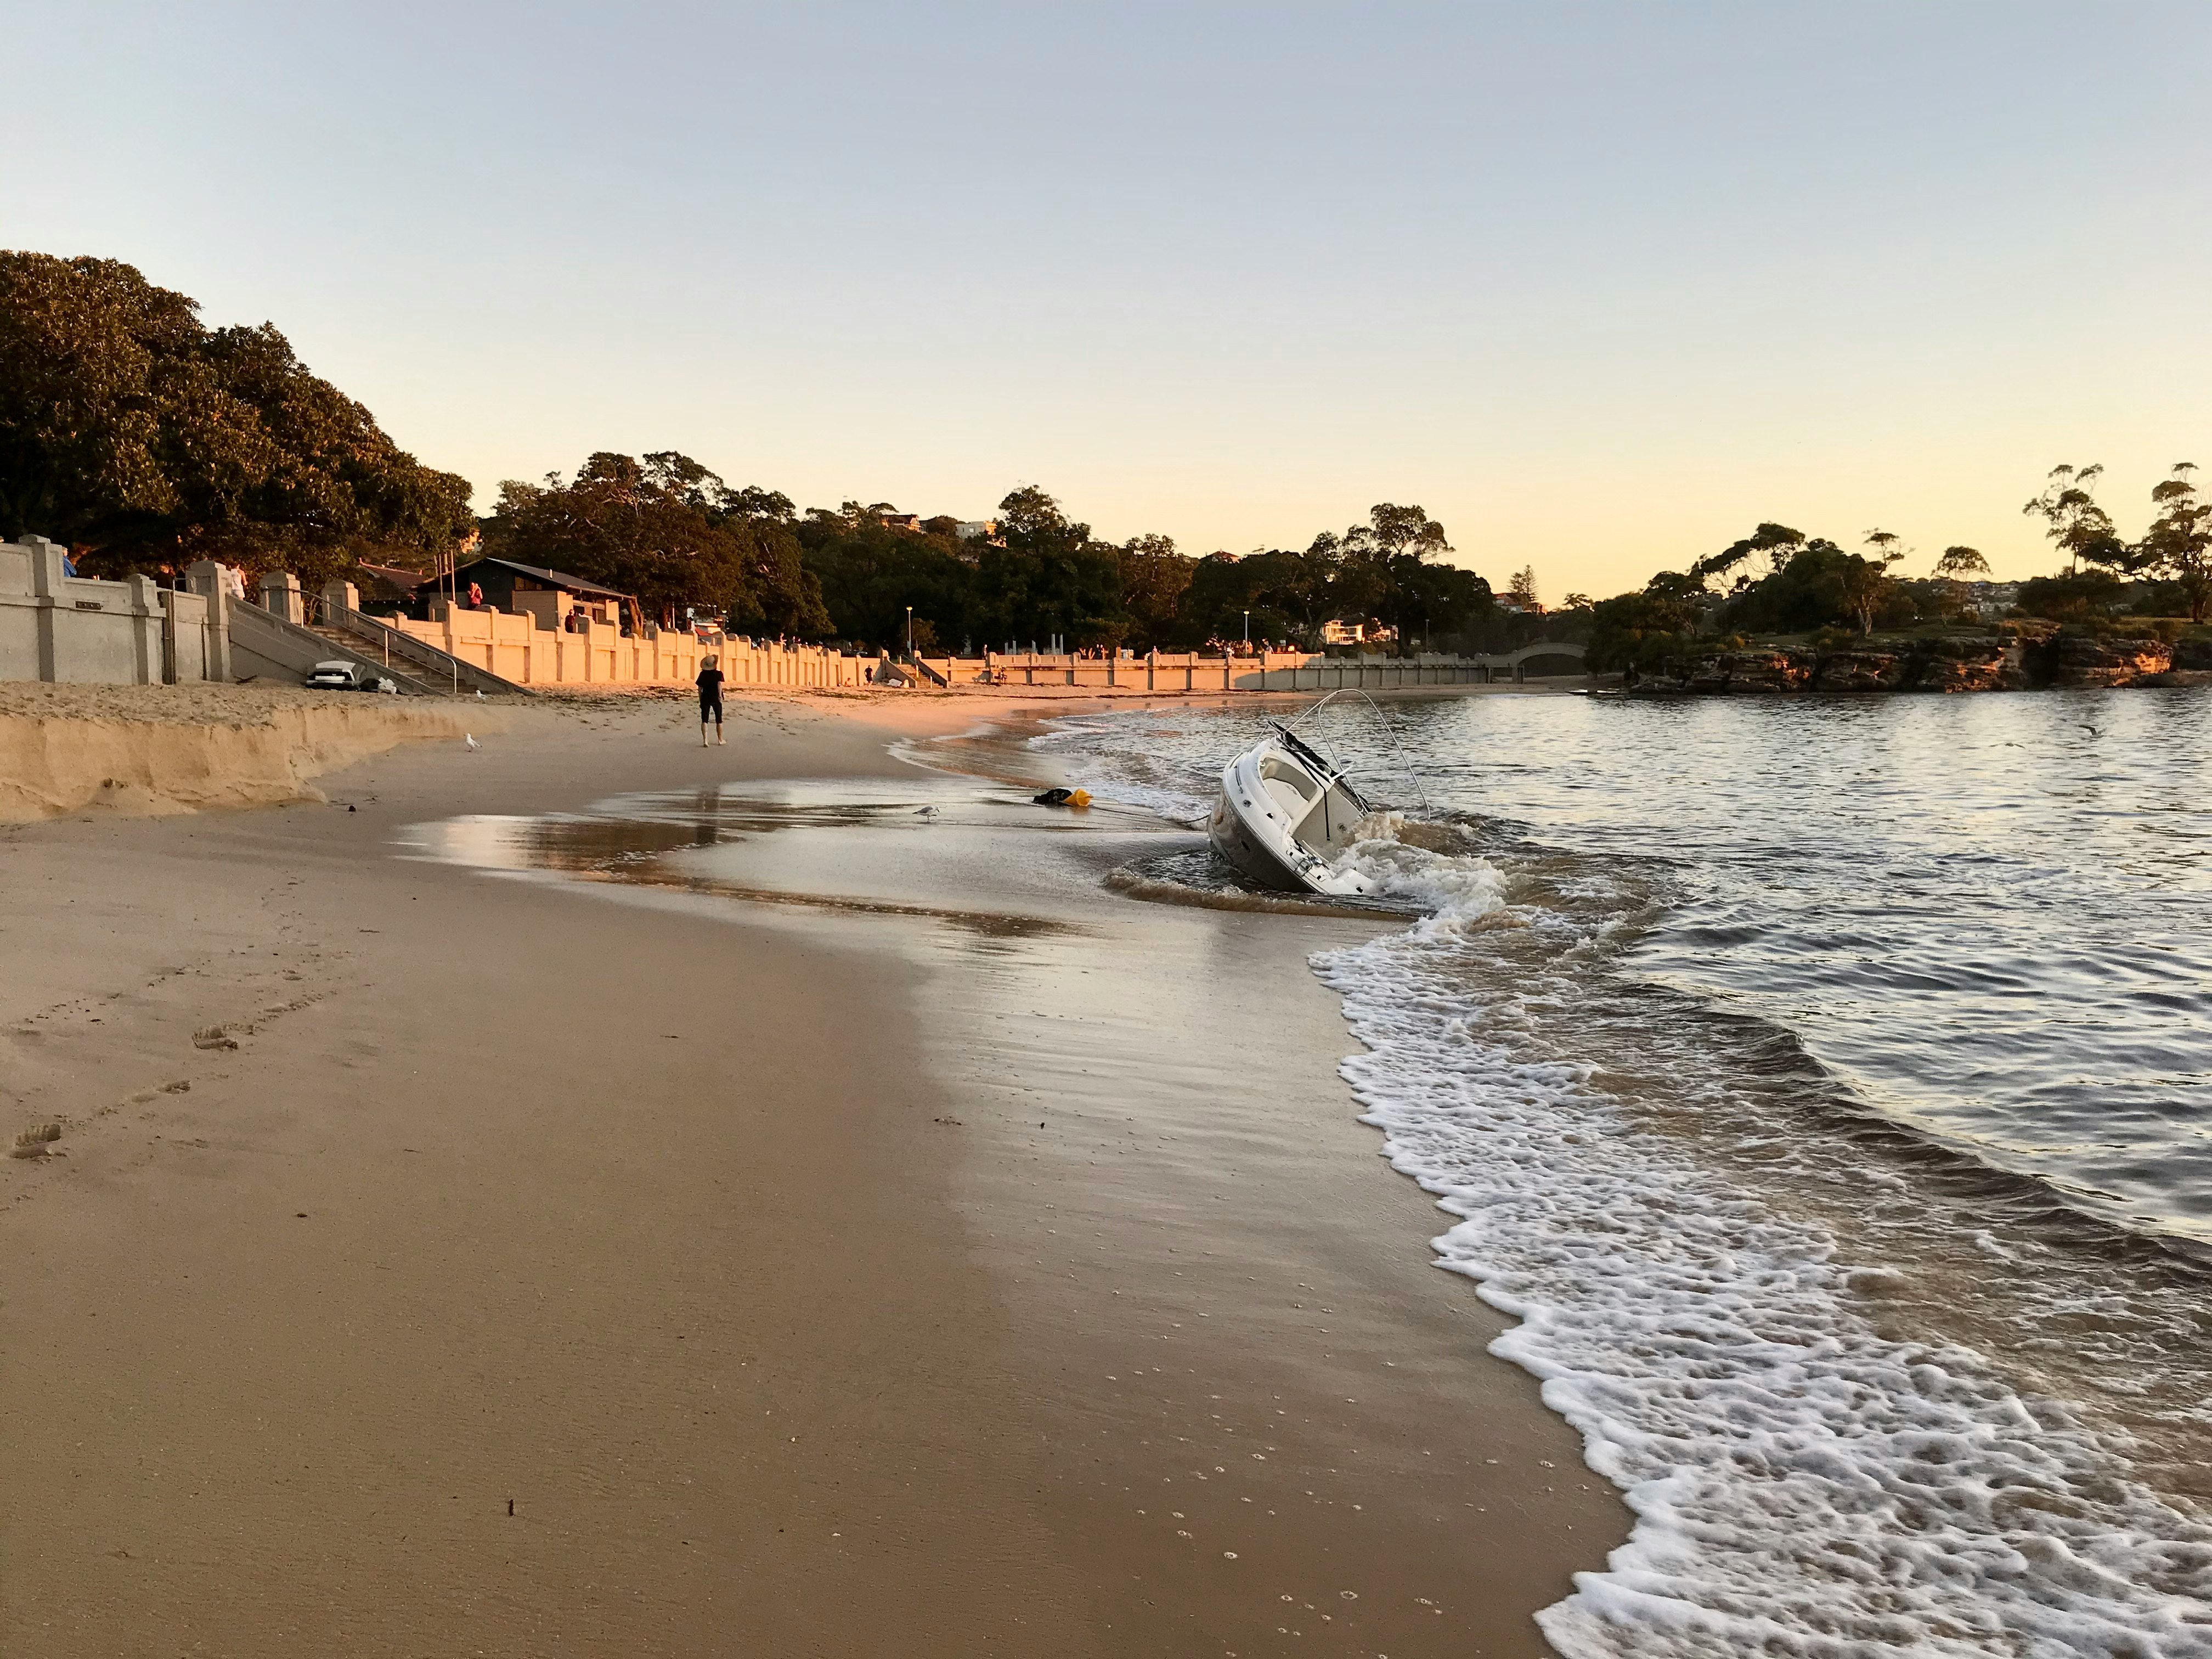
{"type": "Point", "coordinates": [415, 663]}
{"type": "Point", "coordinates": [412, 681]}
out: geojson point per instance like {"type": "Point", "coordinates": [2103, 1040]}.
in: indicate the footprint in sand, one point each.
{"type": "Point", "coordinates": [34, 1142]}
{"type": "Point", "coordinates": [181, 1086]}
{"type": "Point", "coordinates": [213, 1037]}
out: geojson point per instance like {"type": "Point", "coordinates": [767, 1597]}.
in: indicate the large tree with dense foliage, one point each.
{"type": "Point", "coordinates": [2178, 544]}
{"type": "Point", "coordinates": [1390, 569]}
{"type": "Point", "coordinates": [1042, 573]}
{"type": "Point", "coordinates": [669, 532]}
{"type": "Point", "coordinates": [1634, 632]}
{"type": "Point", "coordinates": [1155, 578]}
{"type": "Point", "coordinates": [871, 572]}
{"type": "Point", "coordinates": [144, 440]}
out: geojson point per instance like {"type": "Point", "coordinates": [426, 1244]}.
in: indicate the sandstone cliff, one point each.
{"type": "Point", "coordinates": [2032, 653]}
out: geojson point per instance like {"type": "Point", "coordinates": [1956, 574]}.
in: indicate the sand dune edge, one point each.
{"type": "Point", "coordinates": [138, 753]}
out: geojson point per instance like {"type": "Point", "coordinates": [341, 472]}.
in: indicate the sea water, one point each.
{"type": "Point", "coordinates": [1826, 1087]}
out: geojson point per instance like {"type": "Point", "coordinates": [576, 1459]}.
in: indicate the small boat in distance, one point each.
{"type": "Point", "coordinates": [1285, 812]}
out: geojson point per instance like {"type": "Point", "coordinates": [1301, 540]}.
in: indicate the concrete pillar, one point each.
{"type": "Point", "coordinates": [340, 595]}
{"type": "Point", "coordinates": [204, 578]}
{"type": "Point", "coordinates": [47, 579]}
{"type": "Point", "coordinates": [280, 596]}
{"type": "Point", "coordinates": [46, 573]}
{"type": "Point", "coordinates": [150, 652]}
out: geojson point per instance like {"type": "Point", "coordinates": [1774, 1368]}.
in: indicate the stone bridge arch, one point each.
{"type": "Point", "coordinates": [1516, 662]}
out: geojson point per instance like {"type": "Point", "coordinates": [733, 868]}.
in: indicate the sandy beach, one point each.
{"type": "Point", "coordinates": [436, 1260]}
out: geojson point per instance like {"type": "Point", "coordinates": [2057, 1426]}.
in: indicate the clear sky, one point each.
{"type": "Point", "coordinates": [1602, 285]}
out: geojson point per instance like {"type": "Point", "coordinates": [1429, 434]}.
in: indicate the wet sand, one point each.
{"type": "Point", "coordinates": [723, 1239]}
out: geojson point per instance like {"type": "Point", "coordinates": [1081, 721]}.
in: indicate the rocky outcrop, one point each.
{"type": "Point", "coordinates": [1770, 670]}
{"type": "Point", "coordinates": [1863, 671]}
{"type": "Point", "coordinates": [2022, 654]}
{"type": "Point", "coordinates": [1969, 664]}
{"type": "Point", "coordinates": [2193, 666]}
{"type": "Point", "coordinates": [2084, 660]}
{"type": "Point", "coordinates": [1742, 670]}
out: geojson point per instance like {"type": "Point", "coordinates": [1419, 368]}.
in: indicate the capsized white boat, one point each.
{"type": "Point", "coordinates": [1285, 812]}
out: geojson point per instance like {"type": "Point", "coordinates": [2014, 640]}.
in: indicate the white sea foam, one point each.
{"type": "Point", "coordinates": [1077, 742]}
{"type": "Point", "coordinates": [1802, 1485]}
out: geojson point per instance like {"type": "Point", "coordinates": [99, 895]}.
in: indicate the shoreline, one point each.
{"type": "Point", "coordinates": [548, 1253]}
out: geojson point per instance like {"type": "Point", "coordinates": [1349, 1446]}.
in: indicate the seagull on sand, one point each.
{"type": "Point", "coordinates": [470, 738]}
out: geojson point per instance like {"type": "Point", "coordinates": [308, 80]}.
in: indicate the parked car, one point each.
{"type": "Point", "coordinates": [336, 676]}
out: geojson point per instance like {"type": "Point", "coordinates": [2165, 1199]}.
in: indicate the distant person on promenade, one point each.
{"type": "Point", "coordinates": [710, 700]}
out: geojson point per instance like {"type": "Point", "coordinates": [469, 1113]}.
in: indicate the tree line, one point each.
{"type": "Point", "coordinates": [669, 530]}
{"type": "Point", "coordinates": [144, 440]}
{"type": "Point", "coordinates": [1779, 581]}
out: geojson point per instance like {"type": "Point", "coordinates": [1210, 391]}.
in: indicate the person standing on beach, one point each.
{"type": "Point", "coordinates": [710, 700]}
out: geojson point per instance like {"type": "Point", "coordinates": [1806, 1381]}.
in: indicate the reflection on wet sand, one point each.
{"type": "Point", "coordinates": [1252, 1364]}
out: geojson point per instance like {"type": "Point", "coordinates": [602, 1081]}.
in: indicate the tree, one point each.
{"type": "Point", "coordinates": [1042, 573]}
{"type": "Point", "coordinates": [2072, 519]}
{"type": "Point", "coordinates": [1952, 571]}
{"type": "Point", "coordinates": [1634, 632]}
{"type": "Point", "coordinates": [1523, 589]}
{"type": "Point", "coordinates": [668, 530]}
{"type": "Point", "coordinates": [1154, 579]}
{"type": "Point", "coordinates": [144, 440]}
{"type": "Point", "coordinates": [869, 574]}
{"type": "Point", "coordinates": [1762, 554]}
{"type": "Point", "coordinates": [1384, 570]}
{"type": "Point", "coordinates": [1863, 584]}
{"type": "Point", "coordinates": [2178, 544]}
{"type": "Point", "coordinates": [2072, 595]}
{"type": "Point", "coordinates": [1803, 591]}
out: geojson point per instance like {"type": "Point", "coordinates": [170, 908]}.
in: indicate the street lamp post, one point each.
{"type": "Point", "coordinates": [909, 632]}
{"type": "Point", "coordinates": [1248, 628]}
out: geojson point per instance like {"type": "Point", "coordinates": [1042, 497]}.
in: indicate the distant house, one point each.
{"type": "Point", "coordinates": [970, 530]}
{"type": "Point", "coordinates": [1342, 631]}
{"type": "Point", "coordinates": [549, 595]}
{"type": "Point", "coordinates": [899, 521]}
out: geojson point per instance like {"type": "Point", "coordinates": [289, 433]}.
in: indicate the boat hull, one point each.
{"type": "Point", "coordinates": [1253, 826]}
{"type": "Point", "coordinates": [1250, 856]}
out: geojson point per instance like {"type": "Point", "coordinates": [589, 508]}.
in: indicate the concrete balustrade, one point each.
{"type": "Point", "coordinates": [78, 630]}
{"type": "Point", "coordinates": [281, 598]}
{"type": "Point", "coordinates": [515, 647]}
{"type": "Point", "coordinates": [1269, 671]}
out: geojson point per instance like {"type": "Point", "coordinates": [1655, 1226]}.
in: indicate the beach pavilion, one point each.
{"type": "Point", "coordinates": [549, 595]}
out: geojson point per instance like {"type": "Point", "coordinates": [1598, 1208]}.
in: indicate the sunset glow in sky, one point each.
{"type": "Point", "coordinates": [1600, 285]}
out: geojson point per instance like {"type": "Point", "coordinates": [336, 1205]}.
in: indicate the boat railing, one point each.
{"type": "Point", "coordinates": [1405, 774]}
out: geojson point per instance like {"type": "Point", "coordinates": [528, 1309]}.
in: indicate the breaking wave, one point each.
{"type": "Point", "coordinates": [1867, 1390]}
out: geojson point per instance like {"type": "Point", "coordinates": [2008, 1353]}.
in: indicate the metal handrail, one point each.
{"type": "Point", "coordinates": [412, 649]}
{"type": "Point", "coordinates": [1405, 765]}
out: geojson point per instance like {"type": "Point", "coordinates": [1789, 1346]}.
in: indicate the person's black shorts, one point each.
{"type": "Point", "coordinates": [710, 709]}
